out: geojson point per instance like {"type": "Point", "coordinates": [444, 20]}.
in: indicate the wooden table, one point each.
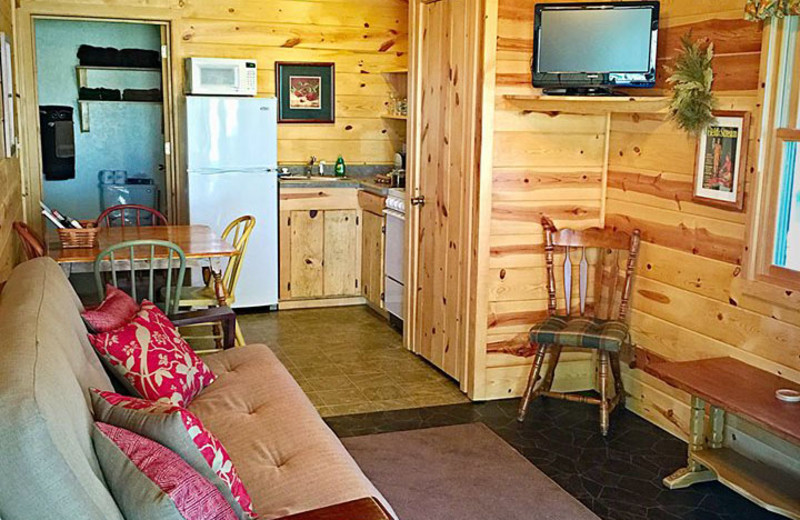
{"type": "Point", "coordinates": [730, 386]}
{"type": "Point", "coordinates": [199, 243]}
{"type": "Point", "coordinates": [362, 509]}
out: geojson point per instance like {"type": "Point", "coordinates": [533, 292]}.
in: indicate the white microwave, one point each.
{"type": "Point", "coordinates": [221, 77]}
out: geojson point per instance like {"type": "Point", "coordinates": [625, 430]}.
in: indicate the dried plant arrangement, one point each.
{"type": "Point", "coordinates": [691, 77]}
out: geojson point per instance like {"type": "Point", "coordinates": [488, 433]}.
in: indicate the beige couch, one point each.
{"type": "Point", "coordinates": [286, 456]}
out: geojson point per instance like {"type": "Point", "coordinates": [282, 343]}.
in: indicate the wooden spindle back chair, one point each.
{"type": "Point", "coordinates": [31, 243]}
{"type": "Point", "coordinates": [238, 235]}
{"type": "Point", "coordinates": [133, 215]}
{"type": "Point", "coordinates": [591, 314]}
{"type": "Point", "coordinates": [144, 257]}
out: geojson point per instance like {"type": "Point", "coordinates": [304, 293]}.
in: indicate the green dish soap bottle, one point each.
{"type": "Point", "coordinates": [341, 168]}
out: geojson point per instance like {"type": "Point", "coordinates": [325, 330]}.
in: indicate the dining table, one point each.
{"type": "Point", "coordinates": [200, 244]}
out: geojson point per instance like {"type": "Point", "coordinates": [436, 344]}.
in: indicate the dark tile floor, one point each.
{"type": "Point", "coordinates": [619, 477]}
{"type": "Point", "coordinates": [349, 360]}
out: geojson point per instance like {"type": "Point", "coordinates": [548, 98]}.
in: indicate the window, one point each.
{"type": "Point", "coordinates": [775, 241]}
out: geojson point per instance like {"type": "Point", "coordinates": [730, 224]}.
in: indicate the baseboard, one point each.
{"type": "Point", "coordinates": [321, 303]}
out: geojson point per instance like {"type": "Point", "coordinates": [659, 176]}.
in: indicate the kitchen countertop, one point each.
{"type": "Point", "coordinates": [366, 184]}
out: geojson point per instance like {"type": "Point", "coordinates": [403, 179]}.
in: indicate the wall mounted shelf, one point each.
{"type": "Point", "coordinates": [396, 71]}
{"type": "Point", "coordinates": [590, 105]}
{"type": "Point", "coordinates": [83, 108]}
{"type": "Point", "coordinates": [394, 117]}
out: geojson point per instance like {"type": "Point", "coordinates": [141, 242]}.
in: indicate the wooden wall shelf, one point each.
{"type": "Point", "coordinates": [394, 117]}
{"type": "Point", "coordinates": [396, 71]}
{"type": "Point", "coordinates": [590, 104]}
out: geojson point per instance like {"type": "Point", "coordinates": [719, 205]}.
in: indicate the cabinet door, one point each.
{"type": "Point", "coordinates": [372, 258]}
{"type": "Point", "coordinates": [306, 263]}
{"type": "Point", "coordinates": [340, 268]}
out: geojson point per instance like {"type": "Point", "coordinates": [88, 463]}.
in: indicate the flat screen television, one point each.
{"type": "Point", "coordinates": [591, 48]}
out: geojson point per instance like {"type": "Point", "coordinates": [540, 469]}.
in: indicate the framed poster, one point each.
{"type": "Point", "coordinates": [306, 92]}
{"type": "Point", "coordinates": [721, 162]}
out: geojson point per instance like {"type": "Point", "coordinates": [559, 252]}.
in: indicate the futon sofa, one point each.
{"type": "Point", "coordinates": [288, 459]}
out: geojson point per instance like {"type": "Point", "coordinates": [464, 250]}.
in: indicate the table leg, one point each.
{"type": "Point", "coordinates": [694, 472]}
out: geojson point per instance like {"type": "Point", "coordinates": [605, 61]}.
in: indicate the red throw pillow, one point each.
{"type": "Point", "coordinates": [149, 480]}
{"type": "Point", "coordinates": [182, 432]}
{"type": "Point", "coordinates": [116, 310]}
{"type": "Point", "coordinates": [153, 359]}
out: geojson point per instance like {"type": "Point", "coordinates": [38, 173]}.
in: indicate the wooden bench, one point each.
{"type": "Point", "coordinates": [730, 386]}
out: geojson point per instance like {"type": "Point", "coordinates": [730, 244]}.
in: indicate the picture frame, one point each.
{"type": "Point", "coordinates": [306, 92]}
{"type": "Point", "coordinates": [721, 161]}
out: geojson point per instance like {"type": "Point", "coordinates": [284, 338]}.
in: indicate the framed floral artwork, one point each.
{"type": "Point", "coordinates": [306, 92]}
{"type": "Point", "coordinates": [721, 162]}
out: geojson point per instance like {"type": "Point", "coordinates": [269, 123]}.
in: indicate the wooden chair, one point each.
{"type": "Point", "coordinates": [587, 320]}
{"type": "Point", "coordinates": [238, 234]}
{"type": "Point", "coordinates": [31, 243]}
{"type": "Point", "coordinates": [120, 216]}
{"type": "Point", "coordinates": [123, 254]}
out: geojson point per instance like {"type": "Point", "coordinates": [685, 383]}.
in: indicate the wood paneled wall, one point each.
{"type": "Point", "coordinates": [10, 194]}
{"type": "Point", "coordinates": [690, 300]}
{"type": "Point", "coordinates": [363, 38]}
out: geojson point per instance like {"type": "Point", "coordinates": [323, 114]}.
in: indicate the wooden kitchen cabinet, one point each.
{"type": "Point", "coordinates": [372, 248]}
{"type": "Point", "coordinates": [319, 254]}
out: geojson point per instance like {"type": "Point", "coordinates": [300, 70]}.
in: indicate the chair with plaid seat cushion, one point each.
{"type": "Point", "coordinates": [594, 313]}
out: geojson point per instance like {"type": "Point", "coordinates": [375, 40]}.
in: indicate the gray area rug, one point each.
{"type": "Point", "coordinates": [464, 472]}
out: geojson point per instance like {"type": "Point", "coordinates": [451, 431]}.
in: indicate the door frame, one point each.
{"type": "Point", "coordinates": [28, 108]}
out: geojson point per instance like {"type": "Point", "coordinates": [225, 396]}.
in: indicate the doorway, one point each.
{"type": "Point", "coordinates": [101, 115]}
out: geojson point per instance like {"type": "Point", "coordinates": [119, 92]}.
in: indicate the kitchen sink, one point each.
{"type": "Point", "coordinates": [313, 178]}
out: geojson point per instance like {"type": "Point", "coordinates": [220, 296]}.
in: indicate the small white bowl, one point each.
{"type": "Point", "coordinates": [788, 396]}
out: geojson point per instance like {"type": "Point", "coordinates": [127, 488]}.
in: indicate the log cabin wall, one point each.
{"type": "Point", "coordinates": [363, 38]}
{"type": "Point", "coordinates": [690, 300]}
{"type": "Point", "coordinates": [11, 193]}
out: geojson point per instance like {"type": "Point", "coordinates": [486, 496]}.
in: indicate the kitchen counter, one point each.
{"type": "Point", "coordinates": [366, 184]}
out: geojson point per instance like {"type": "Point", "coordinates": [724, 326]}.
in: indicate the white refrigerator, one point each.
{"type": "Point", "coordinates": [232, 163]}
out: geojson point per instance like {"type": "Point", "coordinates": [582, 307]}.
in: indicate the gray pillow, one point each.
{"type": "Point", "coordinates": [150, 482]}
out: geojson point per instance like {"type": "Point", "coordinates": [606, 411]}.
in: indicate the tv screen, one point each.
{"type": "Point", "coordinates": [595, 45]}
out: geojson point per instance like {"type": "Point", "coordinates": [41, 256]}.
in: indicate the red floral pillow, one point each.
{"type": "Point", "coordinates": [151, 357]}
{"type": "Point", "coordinates": [116, 310]}
{"type": "Point", "coordinates": [181, 431]}
{"type": "Point", "coordinates": [135, 467]}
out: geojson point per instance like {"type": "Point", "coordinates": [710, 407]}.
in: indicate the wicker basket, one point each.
{"type": "Point", "coordinates": [79, 238]}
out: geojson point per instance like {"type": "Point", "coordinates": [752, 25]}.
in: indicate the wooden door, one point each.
{"type": "Point", "coordinates": [372, 240]}
{"type": "Point", "coordinates": [307, 230]}
{"type": "Point", "coordinates": [340, 257]}
{"type": "Point", "coordinates": [445, 60]}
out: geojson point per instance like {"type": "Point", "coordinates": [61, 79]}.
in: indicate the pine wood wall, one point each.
{"type": "Point", "coordinates": [10, 194]}
{"type": "Point", "coordinates": [363, 38]}
{"type": "Point", "coordinates": [690, 299]}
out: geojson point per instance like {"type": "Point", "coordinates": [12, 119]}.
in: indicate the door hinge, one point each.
{"type": "Point", "coordinates": [383, 297]}
{"type": "Point", "coordinates": [289, 286]}
{"type": "Point", "coordinates": [289, 221]}
{"type": "Point", "coordinates": [163, 52]}
{"type": "Point", "coordinates": [383, 230]}
{"type": "Point", "coordinates": [167, 148]}
{"type": "Point", "coordinates": [356, 283]}
{"type": "Point", "coordinates": [357, 221]}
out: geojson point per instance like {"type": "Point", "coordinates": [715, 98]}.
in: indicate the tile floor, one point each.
{"type": "Point", "coordinates": [349, 360]}
{"type": "Point", "coordinates": [618, 477]}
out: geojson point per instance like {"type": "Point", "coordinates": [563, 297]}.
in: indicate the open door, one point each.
{"type": "Point", "coordinates": [444, 165]}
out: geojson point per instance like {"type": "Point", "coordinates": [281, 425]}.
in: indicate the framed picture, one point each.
{"type": "Point", "coordinates": [720, 166]}
{"type": "Point", "coordinates": [306, 92]}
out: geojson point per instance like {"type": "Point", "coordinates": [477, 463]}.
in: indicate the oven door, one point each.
{"type": "Point", "coordinates": [395, 245]}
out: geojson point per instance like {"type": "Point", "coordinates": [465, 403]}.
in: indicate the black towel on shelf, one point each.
{"type": "Point", "coordinates": [92, 56]}
{"type": "Point", "coordinates": [140, 58]}
{"type": "Point", "coordinates": [137, 94]}
{"type": "Point", "coordinates": [99, 94]}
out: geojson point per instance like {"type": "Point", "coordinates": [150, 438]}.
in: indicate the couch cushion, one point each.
{"type": "Point", "coordinates": [182, 432]}
{"type": "Point", "coordinates": [288, 458]}
{"type": "Point", "coordinates": [149, 481]}
{"type": "Point", "coordinates": [116, 310]}
{"type": "Point", "coordinates": [46, 368]}
{"type": "Point", "coordinates": [152, 359]}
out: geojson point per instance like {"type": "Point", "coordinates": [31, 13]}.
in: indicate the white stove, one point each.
{"type": "Point", "coordinates": [395, 277]}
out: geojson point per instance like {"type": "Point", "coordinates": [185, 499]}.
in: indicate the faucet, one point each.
{"type": "Point", "coordinates": [310, 166]}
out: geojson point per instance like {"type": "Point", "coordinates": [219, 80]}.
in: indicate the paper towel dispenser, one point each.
{"type": "Point", "coordinates": [58, 142]}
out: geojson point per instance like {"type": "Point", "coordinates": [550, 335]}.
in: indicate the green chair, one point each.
{"type": "Point", "coordinates": [146, 254]}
